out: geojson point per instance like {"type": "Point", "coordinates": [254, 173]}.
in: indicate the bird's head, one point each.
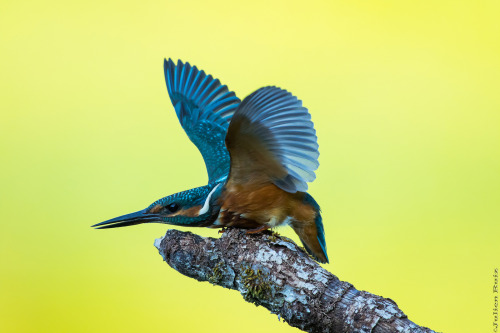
{"type": "Point", "coordinates": [190, 208]}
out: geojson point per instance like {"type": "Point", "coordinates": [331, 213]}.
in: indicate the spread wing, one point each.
{"type": "Point", "coordinates": [204, 108]}
{"type": "Point", "coordinates": [271, 139]}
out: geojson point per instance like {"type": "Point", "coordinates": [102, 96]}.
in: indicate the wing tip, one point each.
{"type": "Point", "coordinates": [190, 85]}
{"type": "Point", "coordinates": [284, 115]}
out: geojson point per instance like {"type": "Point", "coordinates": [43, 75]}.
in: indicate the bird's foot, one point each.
{"type": "Point", "coordinates": [263, 227]}
{"type": "Point", "coordinates": [222, 230]}
{"type": "Point", "coordinates": [273, 237]}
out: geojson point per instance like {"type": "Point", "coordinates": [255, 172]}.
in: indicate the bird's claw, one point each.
{"type": "Point", "coordinates": [263, 227]}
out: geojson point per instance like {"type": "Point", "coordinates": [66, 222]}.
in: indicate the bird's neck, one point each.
{"type": "Point", "coordinates": [209, 204]}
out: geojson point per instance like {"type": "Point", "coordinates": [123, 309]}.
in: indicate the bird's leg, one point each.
{"type": "Point", "coordinates": [263, 227]}
{"type": "Point", "coordinates": [222, 230]}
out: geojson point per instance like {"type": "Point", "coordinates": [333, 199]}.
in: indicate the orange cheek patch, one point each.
{"type": "Point", "coordinates": [190, 212]}
{"type": "Point", "coordinates": [155, 209]}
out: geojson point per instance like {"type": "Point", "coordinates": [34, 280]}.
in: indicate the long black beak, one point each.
{"type": "Point", "coordinates": [128, 219]}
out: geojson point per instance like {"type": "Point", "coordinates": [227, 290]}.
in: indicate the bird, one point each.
{"type": "Point", "coordinates": [259, 153]}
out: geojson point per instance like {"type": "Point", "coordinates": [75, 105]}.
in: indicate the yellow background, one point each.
{"type": "Point", "coordinates": [405, 99]}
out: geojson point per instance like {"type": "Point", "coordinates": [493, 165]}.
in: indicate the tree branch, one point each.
{"type": "Point", "coordinates": [272, 271]}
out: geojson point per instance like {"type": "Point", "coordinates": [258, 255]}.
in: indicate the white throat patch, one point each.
{"type": "Point", "coordinates": [204, 209]}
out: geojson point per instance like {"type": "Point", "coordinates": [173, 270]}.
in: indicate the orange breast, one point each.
{"type": "Point", "coordinates": [250, 206]}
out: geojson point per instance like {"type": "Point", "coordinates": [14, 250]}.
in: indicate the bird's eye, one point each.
{"type": "Point", "coordinates": [173, 207]}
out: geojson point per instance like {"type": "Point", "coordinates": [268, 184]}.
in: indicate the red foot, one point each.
{"type": "Point", "coordinates": [257, 230]}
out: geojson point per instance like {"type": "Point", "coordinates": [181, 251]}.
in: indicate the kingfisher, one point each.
{"type": "Point", "coordinates": [259, 153]}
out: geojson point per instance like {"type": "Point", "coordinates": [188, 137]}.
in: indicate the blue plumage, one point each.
{"type": "Point", "coordinates": [186, 199]}
{"type": "Point", "coordinates": [318, 221]}
{"type": "Point", "coordinates": [259, 154]}
{"type": "Point", "coordinates": [204, 108]}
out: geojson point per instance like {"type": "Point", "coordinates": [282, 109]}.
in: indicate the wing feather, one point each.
{"type": "Point", "coordinates": [204, 108]}
{"type": "Point", "coordinates": [271, 138]}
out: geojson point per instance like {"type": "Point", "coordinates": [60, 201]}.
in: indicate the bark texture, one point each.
{"type": "Point", "coordinates": [272, 271]}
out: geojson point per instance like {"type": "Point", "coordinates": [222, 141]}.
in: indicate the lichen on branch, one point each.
{"type": "Point", "coordinates": [272, 271]}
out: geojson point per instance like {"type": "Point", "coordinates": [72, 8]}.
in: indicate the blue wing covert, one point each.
{"type": "Point", "coordinates": [204, 107]}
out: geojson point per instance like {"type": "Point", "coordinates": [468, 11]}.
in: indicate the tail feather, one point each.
{"type": "Point", "coordinates": [312, 236]}
{"type": "Point", "coordinates": [321, 234]}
